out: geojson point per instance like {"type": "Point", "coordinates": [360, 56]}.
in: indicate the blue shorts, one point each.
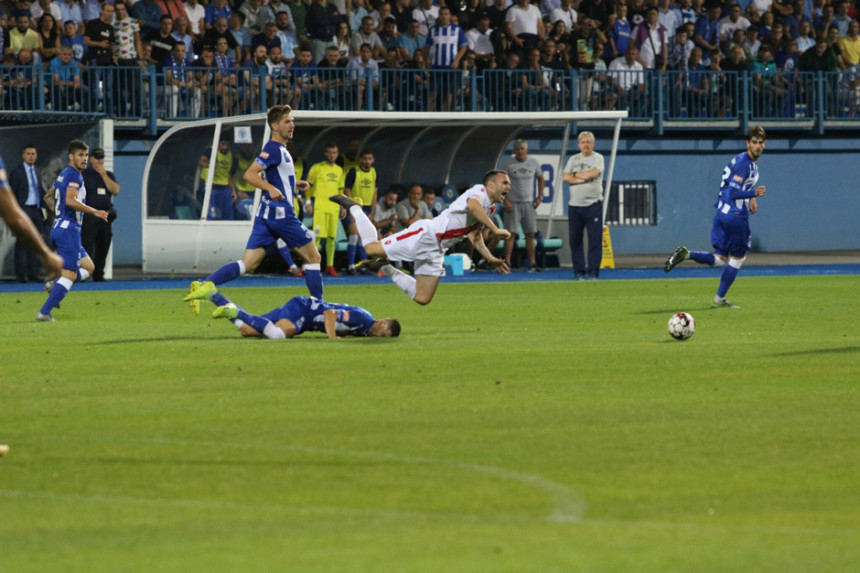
{"type": "Point", "coordinates": [730, 235]}
{"type": "Point", "coordinates": [67, 241]}
{"type": "Point", "coordinates": [297, 310]}
{"type": "Point", "coordinates": [268, 230]}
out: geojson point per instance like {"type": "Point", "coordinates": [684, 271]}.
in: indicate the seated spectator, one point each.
{"type": "Point", "coordinates": [182, 33]}
{"type": "Point", "coordinates": [179, 93]}
{"type": "Point", "coordinates": [216, 10]}
{"type": "Point", "coordinates": [629, 79]}
{"type": "Point", "coordinates": [426, 14]}
{"type": "Point", "coordinates": [366, 35]}
{"type": "Point", "coordinates": [22, 37]}
{"type": "Point", "coordinates": [306, 77]}
{"type": "Point", "coordinates": [268, 38]}
{"type": "Point", "coordinates": [394, 80]}
{"type": "Point", "coordinates": [332, 73]}
{"type": "Point", "coordinates": [74, 40]}
{"type": "Point", "coordinates": [49, 38]}
{"type": "Point", "coordinates": [602, 95]}
{"type": "Point", "coordinates": [734, 21]}
{"type": "Point", "coordinates": [289, 42]}
{"type": "Point", "coordinates": [804, 40]}
{"type": "Point", "coordinates": [413, 208]}
{"type": "Point", "coordinates": [389, 36]}
{"type": "Point", "coordinates": [66, 88]}
{"type": "Point", "coordinates": [208, 83]}
{"type": "Point", "coordinates": [751, 42]}
{"type": "Point", "coordinates": [20, 80]}
{"type": "Point", "coordinates": [385, 216]}
{"type": "Point", "coordinates": [221, 30]}
{"type": "Point", "coordinates": [342, 40]}
{"type": "Point", "coordinates": [254, 79]}
{"type": "Point", "coordinates": [768, 88]}
{"type": "Point", "coordinates": [792, 21]}
{"type": "Point", "coordinates": [480, 42]}
{"type": "Point", "coordinates": [848, 90]}
{"type": "Point", "coordinates": [283, 91]}
{"type": "Point", "coordinates": [254, 16]}
{"type": "Point", "coordinates": [236, 26]}
{"type": "Point", "coordinates": [411, 41]}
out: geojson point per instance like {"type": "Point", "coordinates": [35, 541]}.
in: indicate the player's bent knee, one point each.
{"type": "Point", "coordinates": [422, 300]}
{"type": "Point", "coordinates": [737, 263]}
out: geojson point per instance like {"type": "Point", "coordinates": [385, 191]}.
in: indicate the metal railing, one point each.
{"type": "Point", "coordinates": [699, 99]}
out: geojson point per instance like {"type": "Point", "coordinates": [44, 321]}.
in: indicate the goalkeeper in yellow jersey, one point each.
{"type": "Point", "coordinates": [326, 180]}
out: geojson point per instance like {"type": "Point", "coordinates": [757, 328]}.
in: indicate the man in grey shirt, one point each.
{"type": "Point", "coordinates": [584, 173]}
{"type": "Point", "coordinates": [522, 201]}
{"type": "Point", "coordinates": [413, 208]}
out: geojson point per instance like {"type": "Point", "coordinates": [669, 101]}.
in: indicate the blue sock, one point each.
{"type": "Point", "coordinates": [58, 293]}
{"type": "Point", "coordinates": [729, 274]}
{"type": "Point", "coordinates": [703, 257]}
{"type": "Point", "coordinates": [287, 256]}
{"type": "Point", "coordinates": [219, 299]}
{"type": "Point", "coordinates": [258, 323]}
{"type": "Point", "coordinates": [313, 278]}
{"type": "Point", "coordinates": [362, 254]}
{"type": "Point", "coordinates": [350, 254]}
{"type": "Point", "coordinates": [226, 273]}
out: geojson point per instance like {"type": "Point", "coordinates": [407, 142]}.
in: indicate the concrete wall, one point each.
{"type": "Point", "coordinates": [812, 203]}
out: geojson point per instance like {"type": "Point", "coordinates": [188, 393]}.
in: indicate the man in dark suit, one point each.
{"type": "Point", "coordinates": [26, 183]}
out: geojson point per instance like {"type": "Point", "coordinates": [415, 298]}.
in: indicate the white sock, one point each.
{"type": "Point", "coordinates": [403, 281]}
{"type": "Point", "coordinates": [84, 274]}
{"type": "Point", "coordinates": [67, 283]}
{"type": "Point", "coordinates": [241, 268]}
{"type": "Point", "coordinates": [366, 230]}
{"type": "Point", "coordinates": [273, 332]}
{"type": "Point", "coordinates": [718, 262]}
{"type": "Point", "coordinates": [238, 322]}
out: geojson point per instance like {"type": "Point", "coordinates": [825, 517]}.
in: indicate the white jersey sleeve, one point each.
{"type": "Point", "coordinates": [457, 221]}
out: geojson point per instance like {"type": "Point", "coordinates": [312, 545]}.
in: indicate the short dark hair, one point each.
{"type": "Point", "coordinates": [28, 146]}
{"type": "Point", "coordinates": [77, 145]}
{"type": "Point", "coordinates": [393, 326]}
{"type": "Point", "coordinates": [756, 131]}
{"type": "Point", "coordinates": [165, 17]}
{"type": "Point", "coordinates": [492, 173]}
{"type": "Point", "coordinates": [277, 112]}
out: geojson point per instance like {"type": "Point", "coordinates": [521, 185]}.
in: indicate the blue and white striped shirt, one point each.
{"type": "Point", "coordinates": [444, 43]}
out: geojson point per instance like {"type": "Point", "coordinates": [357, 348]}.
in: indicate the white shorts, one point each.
{"type": "Point", "coordinates": [419, 245]}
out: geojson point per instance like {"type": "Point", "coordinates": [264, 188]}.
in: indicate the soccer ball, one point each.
{"type": "Point", "coordinates": [681, 326]}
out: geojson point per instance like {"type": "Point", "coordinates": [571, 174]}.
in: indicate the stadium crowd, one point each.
{"type": "Point", "coordinates": [217, 57]}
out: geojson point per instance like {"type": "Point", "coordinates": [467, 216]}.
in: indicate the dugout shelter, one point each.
{"type": "Point", "coordinates": [182, 234]}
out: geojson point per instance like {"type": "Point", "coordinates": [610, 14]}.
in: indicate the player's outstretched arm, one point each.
{"type": "Point", "coordinates": [478, 211]}
{"type": "Point", "coordinates": [477, 240]}
{"type": "Point", "coordinates": [23, 228]}
{"type": "Point", "coordinates": [330, 322]}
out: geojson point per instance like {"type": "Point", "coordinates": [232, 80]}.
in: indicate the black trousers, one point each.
{"type": "Point", "coordinates": [96, 236]}
{"type": "Point", "coordinates": [28, 265]}
{"type": "Point", "coordinates": [589, 219]}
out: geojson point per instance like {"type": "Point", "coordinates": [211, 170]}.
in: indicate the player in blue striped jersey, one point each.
{"type": "Point", "coordinates": [23, 228]}
{"type": "Point", "coordinates": [730, 232]}
{"type": "Point", "coordinates": [300, 314]}
{"type": "Point", "coordinates": [275, 218]}
{"type": "Point", "coordinates": [70, 198]}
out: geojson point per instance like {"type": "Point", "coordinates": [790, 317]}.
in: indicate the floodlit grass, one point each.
{"type": "Point", "coordinates": [531, 427]}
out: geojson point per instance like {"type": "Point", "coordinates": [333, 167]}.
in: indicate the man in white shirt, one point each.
{"type": "Point", "coordinates": [734, 21]}
{"type": "Point", "coordinates": [565, 13]}
{"type": "Point", "coordinates": [426, 14]}
{"type": "Point", "coordinates": [196, 18]}
{"type": "Point", "coordinates": [629, 78]}
{"type": "Point", "coordinates": [480, 42]}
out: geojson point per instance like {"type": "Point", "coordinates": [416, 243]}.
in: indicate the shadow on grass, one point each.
{"type": "Point", "coordinates": [842, 350]}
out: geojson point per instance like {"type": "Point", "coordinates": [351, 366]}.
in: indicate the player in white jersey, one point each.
{"type": "Point", "coordinates": [425, 241]}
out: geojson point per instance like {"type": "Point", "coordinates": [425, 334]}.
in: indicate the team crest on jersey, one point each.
{"type": "Point", "coordinates": [73, 184]}
{"type": "Point", "coordinates": [738, 178]}
{"type": "Point", "coordinates": [264, 154]}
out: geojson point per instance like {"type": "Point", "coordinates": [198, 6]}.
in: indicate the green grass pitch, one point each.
{"type": "Point", "coordinates": [529, 427]}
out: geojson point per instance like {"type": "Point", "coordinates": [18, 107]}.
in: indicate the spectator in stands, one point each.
{"type": "Point", "coordinates": [679, 50]}
{"type": "Point", "coordinates": [100, 40]}
{"type": "Point", "coordinates": [366, 35]}
{"type": "Point", "coordinates": [850, 45]}
{"type": "Point", "coordinates": [389, 36]}
{"type": "Point", "coordinates": [522, 201]}
{"type": "Point", "coordinates": [285, 32]}
{"type": "Point", "coordinates": [751, 42]}
{"type": "Point", "coordinates": [20, 80]}
{"type": "Point", "coordinates": [524, 26]}
{"type": "Point", "coordinates": [688, 12]}
{"type": "Point", "coordinates": [172, 8]}
{"type": "Point", "coordinates": [599, 10]}
{"type": "Point", "coordinates": [74, 40]}
{"type": "Point", "coordinates": [394, 80]}
{"type": "Point", "coordinates": [668, 17]}
{"type": "Point", "coordinates": [226, 69]}
{"type": "Point", "coordinates": [304, 70]}
{"type": "Point", "coordinates": [215, 10]}
{"type": "Point", "coordinates": [282, 92]}
{"type": "Point", "coordinates": [695, 85]}
{"type": "Point", "coordinates": [321, 23]}
{"type": "Point", "coordinates": [255, 16]}
{"type": "Point", "coordinates": [819, 59]}
{"type": "Point", "coordinates": [445, 47]}
{"type": "Point", "coordinates": [636, 12]}
{"type": "Point", "coordinates": [342, 39]}
{"type": "Point", "coordinates": [149, 15]}
{"type": "Point", "coordinates": [251, 81]}
{"type": "Point", "coordinates": [602, 93]}
{"type": "Point", "coordinates": [480, 42]}
{"type": "Point", "coordinates": [360, 9]}
{"type": "Point", "coordinates": [268, 38]}
{"type": "Point", "coordinates": [426, 14]}
{"type": "Point", "coordinates": [162, 40]}
{"type": "Point", "coordinates": [37, 9]}
{"type": "Point", "coordinates": [848, 90]}
{"type": "Point", "coordinates": [584, 173]}
{"type": "Point", "coordinates": [822, 24]}
{"type": "Point", "coordinates": [22, 37]}
{"type": "Point", "coordinates": [765, 26]}
{"type": "Point", "coordinates": [566, 13]}
{"type": "Point", "coordinates": [418, 83]}
{"type": "Point", "coordinates": [842, 20]}
{"type": "Point", "coordinates": [707, 34]}
{"type": "Point", "coordinates": [792, 21]}
{"type": "Point", "coordinates": [208, 83]}
{"type": "Point", "coordinates": [128, 50]}
{"type": "Point", "coordinates": [179, 93]}
{"type": "Point", "coordinates": [71, 10]}
{"type": "Point", "coordinates": [66, 87]}
{"type": "Point", "coordinates": [413, 208]}
{"type": "Point", "coordinates": [379, 15]}
{"type": "Point", "coordinates": [734, 21]}
{"type": "Point", "coordinates": [559, 35]}
{"type": "Point", "coordinates": [236, 26]}
{"type": "Point", "coordinates": [220, 30]}
{"type": "Point", "coordinates": [181, 34]}
{"type": "Point", "coordinates": [620, 33]}
{"type": "Point", "coordinates": [804, 41]}
{"type": "Point", "coordinates": [402, 14]}
{"type": "Point", "coordinates": [650, 39]}
{"type": "Point", "coordinates": [363, 74]}
{"type": "Point", "coordinates": [768, 89]}
{"type": "Point", "coordinates": [196, 13]}
{"type": "Point", "coordinates": [629, 81]}
{"type": "Point", "coordinates": [49, 38]}
{"type": "Point", "coordinates": [721, 97]}
{"type": "Point", "coordinates": [332, 77]}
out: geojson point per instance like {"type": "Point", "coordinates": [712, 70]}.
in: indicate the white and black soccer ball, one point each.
{"type": "Point", "coordinates": [681, 326]}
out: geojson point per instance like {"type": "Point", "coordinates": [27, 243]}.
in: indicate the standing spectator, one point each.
{"type": "Point", "coordinates": [66, 81]}
{"type": "Point", "coordinates": [215, 10]}
{"type": "Point", "coordinates": [599, 10]}
{"type": "Point", "coordinates": [620, 33]}
{"type": "Point", "coordinates": [227, 70]}
{"type": "Point", "coordinates": [411, 42]}
{"type": "Point", "coordinates": [22, 37]}
{"type": "Point", "coordinates": [498, 13]}
{"type": "Point", "coordinates": [66, 231]}
{"type": "Point", "coordinates": [149, 13]}
{"type": "Point", "coordinates": [128, 51]}
{"type": "Point", "coordinates": [567, 14]}
{"type": "Point", "coordinates": [426, 14]}
{"type": "Point", "coordinates": [100, 40]}
{"type": "Point", "coordinates": [299, 16]}
{"type": "Point", "coordinates": [707, 34]}
{"type": "Point", "coordinates": [584, 174]}
{"type": "Point", "coordinates": [481, 43]}
{"type": "Point", "coordinates": [522, 201]}
{"type": "Point", "coordinates": [162, 41]}
{"type": "Point", "coordinates": [74, 40]}
{"type": "Point", "coordinates": [734, 21]}
{"type": "Point", "coordinates": [179, 93]}
{"type": "Point", "coordinates": [822, 23]}
{"type": "Point", "coordinates": [23, 228]}
{"type": "Point", "coordinates": [445, 47]}
{"type": "Point", "coordinates": [668, 17]}
{"type": "Point", "coordinates": [196, 13]}
{"type": "Point", "coordinates": [172, 8]}
{"type": "Point", "coordinates": [402, 14]}
{"type": "Point", "coordinates": [181, 33]}
{"type": "Point", "coordinates": [218, 31]}
{"type": "Point", "coordinates": [651, 41]}
{"type": "Point", "coordinates": [268, 38]}
{"type": "Point", "coordinates": [524, 26]}
{"type": "Point", "coordinates": [366, 35]}
{"type": "Point", "coordinates": [354, 16]}
{"type": "Point", "coordinates": [97, 233]}
{"type": "Point", "coordinates": [26, 183]}
{"type": "Point", "coordinates": [792, 21]}
{"type": "Point", "coordinates": [679, 50]}
{"type": "Point", "coordinates": [629, 80]}
{"type": "Point", "coordinates": [363, 73]}
{"type": "Point", "coordinates": [321, 23]}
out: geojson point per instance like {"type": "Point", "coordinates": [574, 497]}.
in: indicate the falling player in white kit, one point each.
{"type": "Point", "coordinates": [425, 241]}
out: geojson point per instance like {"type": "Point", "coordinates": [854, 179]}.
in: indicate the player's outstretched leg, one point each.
{"type": "Point", "coordinates": [193, 304]}
{"type": "Point", "coordinates": [58, 292]}
{"type": "Point", "coordinates": [366, 230]}
{"type": "Point", "coordinates": [228, 310]}
{"type": "Point", "coordinates": [726, 280]}
{"type": "Point", "coordinates": [677, 256]}
{"type": "Point", "coordinates": [403, 281]}
{"type": "Point", "coordinates": [284, 251]}
{"type": "Point", "coordinates": [201, 291]}
{"type": "Point", "coordinates": [372, 265]}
